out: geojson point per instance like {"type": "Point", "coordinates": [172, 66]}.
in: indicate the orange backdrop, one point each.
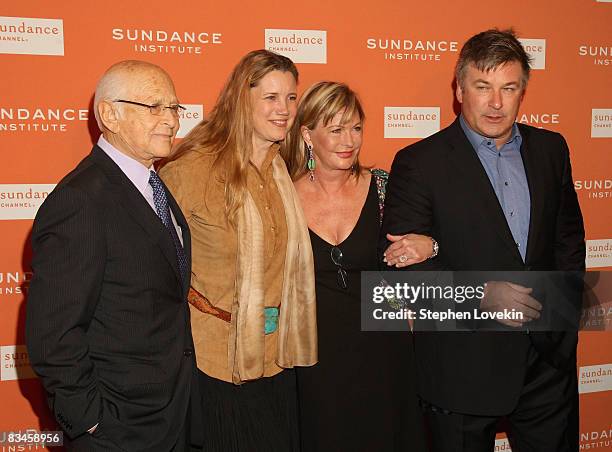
{"type": "Point", "coordinates": [393, 53]}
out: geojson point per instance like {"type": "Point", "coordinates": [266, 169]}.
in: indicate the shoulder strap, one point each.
{"type": "Point", "coordinates": [381, 177]}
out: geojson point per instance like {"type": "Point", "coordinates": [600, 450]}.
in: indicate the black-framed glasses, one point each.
{"type": "Point", "coordinates": [336, 257]}
{"type": "Point", "coordinates": [156, 109]}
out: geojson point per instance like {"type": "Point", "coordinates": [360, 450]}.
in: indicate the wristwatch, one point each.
{"type": "Point", "coordinates": [435, 248]}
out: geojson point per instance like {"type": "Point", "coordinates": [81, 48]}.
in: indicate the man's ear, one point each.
{"type": "Point", "coordinates": [459, 93]}
{"type": "Point", "coordinates": [108, 116]}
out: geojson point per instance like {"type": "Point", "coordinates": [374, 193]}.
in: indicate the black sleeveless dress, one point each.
{"type": "Point", "coordinates": [361, 394]}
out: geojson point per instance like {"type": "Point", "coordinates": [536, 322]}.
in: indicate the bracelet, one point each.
{"type": "Point", "coordinates": [435, 247]}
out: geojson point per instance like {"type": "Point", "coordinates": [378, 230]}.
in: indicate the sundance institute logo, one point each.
{"type": "Point", "coordinates": [14, 283]}
{"type": "Point", "coordinates": [601, 123]}
{"type": "Point", "coordinates": [411, 122]}
{"type": "Point", "coordinates": [167, 41]}
{"type": "Point", "coordinates": [301, 46]}
{"type": "Point", "coordinates": [403, 49]}
{"type": "Point", "coordinates": [594, 188]}
{"type": "Point", "coordinates": [596, 439]}
{"type": "Point", "coordinates": [598, 55]}
{"type": "Point", "coordinates": [15, 363]}
{"type": "Point", "coordinates": [22, 201]}
{"type": "Point", "coordinates": [31, 36]}
{"type": "Point", "coordinates": [596, 318]}
{"type": "Point", "coordinates": [541, 120]}
{"type": "Point", "coordinates": [40, 119]}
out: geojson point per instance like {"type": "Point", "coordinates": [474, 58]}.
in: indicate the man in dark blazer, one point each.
{"type": "Point", "coordinates": [107, 325]}
{"type": "Point", "coordinates": [495, 195]}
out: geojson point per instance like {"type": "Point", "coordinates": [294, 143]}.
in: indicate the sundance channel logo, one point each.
{"type": "Point", "coordinates": [595, 378]}
{"type": "Point", "coordinates": [15, 363]}
{"type": "Point", "coordinates": [536, 49]}
{"type": "Point", "coordinates": [22, 201]}
{"type": "Point", "coordinates": [410, 49]}
{"type": "Point", "coordinates": [178, 42]}
{"type": "Point", "coordinates": [14, 283]}
{"type": "Point", "coordinates": [411, 122]}
{"type": "Point", "coordinates": [599, 253]}
{"type": "Point", "coordinates": [301, 46]}
{"type": "Point", "coordinates": [598, 55]}
{"type": "Point", "coordinates": [31, 36]}
{"type": "Point", "coordinates": [40, 119]}
{"type": "Point", "coordinates": [189, 118]}
{"type": "Point", "coordinates": [601, 123]}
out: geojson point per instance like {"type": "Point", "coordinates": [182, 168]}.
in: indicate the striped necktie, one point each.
{"type": "Point", "coordinates": [163, 212]}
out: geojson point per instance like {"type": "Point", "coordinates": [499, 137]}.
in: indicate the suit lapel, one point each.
{"type": "Point", "coordinates": [466, 162]}
{"type": "Point", "coordinates": [182, 222]}
{"type": "Point", "coordinates": [128, 196]}
{"type": "Point", "coordinates": [535, 190]}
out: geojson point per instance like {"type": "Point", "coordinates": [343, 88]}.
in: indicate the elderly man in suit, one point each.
{"type": "Point", "coordinates": [495, 195]}
{"type": "Point", "coordinates": [107, 326]}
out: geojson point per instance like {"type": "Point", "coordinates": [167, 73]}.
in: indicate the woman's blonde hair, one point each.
{"type": "Point", "coordinates": [228, 131]}
{"type": "Point", "coordinates": [318, 105]}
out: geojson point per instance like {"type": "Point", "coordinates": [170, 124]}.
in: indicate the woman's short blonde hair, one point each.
{"type": "Point", "coordinates": [319, 105]}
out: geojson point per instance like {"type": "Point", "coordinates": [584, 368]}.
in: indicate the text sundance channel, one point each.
{"type": "Point", "coordinates": [31, 36]}
{"type": "Point", "coordinates": [411, 122]}
{"type": "Point", "coordinates": [189, 118]}
{"type": "Point", "coordinates": [15, 363]}
{"type": "Point", "coordinates": [301, 46]}
{"type": "Point", "coordinates": [601, 123]}
{"type": "Point", "coordinates": [22, 201]}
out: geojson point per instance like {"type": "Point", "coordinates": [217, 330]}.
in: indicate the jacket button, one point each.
{"type": "Point", "coordinates": [188, 352]}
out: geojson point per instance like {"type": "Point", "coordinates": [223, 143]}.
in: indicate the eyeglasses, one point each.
{"type": "Point", "coordinates": [157, 109]}
{"type": "Point", "coordinates": [336, 257]}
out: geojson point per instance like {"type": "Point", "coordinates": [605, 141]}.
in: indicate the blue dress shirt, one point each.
{"type": "Point", "coordinates": [506, 172]}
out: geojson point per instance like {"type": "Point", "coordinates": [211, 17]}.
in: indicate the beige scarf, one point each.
{"type": "Point", "coordinates": [297, 328]}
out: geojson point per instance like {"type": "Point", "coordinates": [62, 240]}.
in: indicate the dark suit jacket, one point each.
{"type": "Point", "coordinates": [107, 325]}
{"type": "Point", "coordinates": [438, 187]}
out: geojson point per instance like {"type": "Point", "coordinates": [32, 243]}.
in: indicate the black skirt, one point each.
{"type": "Point", "coordinates": [258, 416]}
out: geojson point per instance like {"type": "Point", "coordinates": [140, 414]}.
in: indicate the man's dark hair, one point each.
{"type": "Point", "coordinates": [489, 50]}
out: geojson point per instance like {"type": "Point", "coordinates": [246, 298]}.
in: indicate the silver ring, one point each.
{"type": "Point", "coordinates": [403, 258]}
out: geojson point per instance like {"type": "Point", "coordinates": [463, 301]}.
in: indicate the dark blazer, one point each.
{"type": "Point", "coordinates": [107, 326]}
{"type": "Point", "coordinates": [438, 187]}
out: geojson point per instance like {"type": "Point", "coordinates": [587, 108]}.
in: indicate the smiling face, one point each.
{"type": "Point", "coordinates": [335, 145]}
{"type": "Point", "coordinates": [133, 129]}
{"type": "Point", "coordinates": [490, 100]}
{"type": "Point", "coordinates": [274, 104]}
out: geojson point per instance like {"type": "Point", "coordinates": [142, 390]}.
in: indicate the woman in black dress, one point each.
{"type": "Point", "coordinates": [361, 394]}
